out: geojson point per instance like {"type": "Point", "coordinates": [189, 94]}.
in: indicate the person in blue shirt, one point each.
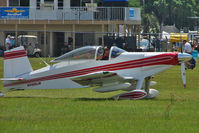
{"type": "Point", "coordinates": [12, 42]}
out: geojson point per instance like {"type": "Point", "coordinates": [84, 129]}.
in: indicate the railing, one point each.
{"type": "Point", "coordinates": [78, 13]}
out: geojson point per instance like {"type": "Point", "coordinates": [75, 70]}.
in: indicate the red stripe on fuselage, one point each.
{"type": "Point", "coordinates": [163, 59]}
{"type": "Point", "coordinates": [15, 54]}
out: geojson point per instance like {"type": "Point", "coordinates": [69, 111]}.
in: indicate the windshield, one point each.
{"type": "Point", "coordinates": [84, 53]}
{"type": "Point", "coordinates": [115, 51]}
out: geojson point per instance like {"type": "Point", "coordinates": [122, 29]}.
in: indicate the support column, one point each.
{"type": "Point", "coordinates": [132, 30]}
{"type": "Point", "coordinates": [7, 3]}
{"type": "Point", "coordinates": [66, 3]}
{"type": "Point", "coordinates": [55, 4]}
{"type": "Point", "coordinates": [73, 36]}
{"type": "Point", "coordinates": [66, 37]}
{"type": "Point", "coordinates": [103, 35]}
{"type": "Point", "coordinates": [125, 33]}
{"type": "Point", "coordinates": [138, 32]}
{"type": "Point", "coordinates": [117, 29]}
{"type": "Point", "coordinates": [51, 44]}
{"type": "Point", "coordinates": [41, 2]}
{"type": "Point", "coordinates": [16, 33]}
{"type": "Point", "coordinates": [2, 40]}
{"type": "Point", "coordinates": [128, 30]}
{"type": "Point", "coordinates": [45, 50]}
{"type": "Point", "coordinates": [33, 4]}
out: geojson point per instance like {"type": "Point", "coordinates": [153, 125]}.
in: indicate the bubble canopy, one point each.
{"type": "Point", "coordinates": [86, 53]}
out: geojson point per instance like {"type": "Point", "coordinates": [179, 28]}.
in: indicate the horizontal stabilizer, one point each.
{"type": "Point", "coordinates": [11, 79]}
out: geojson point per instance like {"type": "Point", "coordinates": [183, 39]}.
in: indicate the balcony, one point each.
{"type": "Point", "coordinates": [125, 14]}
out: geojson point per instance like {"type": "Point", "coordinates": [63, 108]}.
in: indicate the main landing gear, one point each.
{"type": "Point", "coordinates": [139, 94]}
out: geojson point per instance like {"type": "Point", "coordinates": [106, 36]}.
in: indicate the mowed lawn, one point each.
{"type": "Point", "coordinates": [175, 110]}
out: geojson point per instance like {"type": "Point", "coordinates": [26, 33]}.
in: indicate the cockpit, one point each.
{"type": "Point", "coordinates": [87, 53]}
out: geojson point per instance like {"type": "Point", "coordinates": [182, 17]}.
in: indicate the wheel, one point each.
{"type": "Point", "coordinates": [37, 54]}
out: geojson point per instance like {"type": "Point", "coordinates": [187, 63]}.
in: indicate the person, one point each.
{"type": "Point", "coordinates": [30, 49]}
{"type": "Point", "coordinates": [114, 44]}
{"type": "Point", "coordinates": [12, 42]}
{"type": "Point", "coordinates": [7, 42]}
{"type": "Point", "coordinates": [124, 46]}
{"type": "Point", "coordinates": [164, 44]}
{"type": "Point", "coordinates": [188, 49]}
{"type": "Point", "coordinates": [157, 44]}
{"type": "Point", "coordinates": [106, 53]}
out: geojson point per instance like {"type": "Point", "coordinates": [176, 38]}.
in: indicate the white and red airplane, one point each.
{"type": "Point", "coordinates": [85, 67]}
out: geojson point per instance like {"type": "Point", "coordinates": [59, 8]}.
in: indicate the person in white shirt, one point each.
{"type": "Point", "coordinates": [7, 42]}
{"type": "Point", "coordinates": [187, 47]}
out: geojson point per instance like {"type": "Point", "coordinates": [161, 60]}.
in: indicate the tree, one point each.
{"type": "Point", "coordinates": [134, 3]}
{"type": "Point", "coordinates": [169, 12]}
{"type": "Point", "coordinates": [150, 23]}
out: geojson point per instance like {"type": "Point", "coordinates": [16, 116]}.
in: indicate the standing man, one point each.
{"type": "Point", "coordinates": [157, 44]}
{"type": "Point", "coordinates": [188, 49]}
{"type": "Point", "coordinates": [7, 42]}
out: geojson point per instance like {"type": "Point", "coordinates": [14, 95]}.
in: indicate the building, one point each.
{"type": "Point", "coordinates": [68, 22]}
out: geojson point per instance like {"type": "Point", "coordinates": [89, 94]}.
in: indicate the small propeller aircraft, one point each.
{"type": "Point", "coordinates": [88, 67]}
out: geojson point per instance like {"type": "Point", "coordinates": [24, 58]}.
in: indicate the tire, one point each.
{"type": "Point", "coordinates": [37, 54]}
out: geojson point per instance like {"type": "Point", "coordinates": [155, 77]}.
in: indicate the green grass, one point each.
{"type": "Point", "coordinates": [175, 110]}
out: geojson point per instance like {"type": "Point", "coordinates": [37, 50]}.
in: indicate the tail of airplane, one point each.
{"type": "Point", "coordinates": [16, 63]}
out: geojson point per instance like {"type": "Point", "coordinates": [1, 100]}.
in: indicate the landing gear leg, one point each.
{"type": "Point", "coordinates": [151, 93]}
{"type": "Point", "coordinates": [147, 83]}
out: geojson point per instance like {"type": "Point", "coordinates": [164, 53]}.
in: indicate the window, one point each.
{"type": "Point", "coordinates": [75, 3]}
{"type": "Point", "coordinates": [24, 3]}
{"type": "Point", "coordinates": [60, 4]}
{"type": "Point", "coordinates": [38, 4]}
{"type": "Point", "coordinates": [14, 2]}
{"type": "Point", "coordinates": [48, 1]}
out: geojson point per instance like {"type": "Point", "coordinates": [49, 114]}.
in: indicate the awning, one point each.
{"type": "Point", "coordinates": [178, 37]}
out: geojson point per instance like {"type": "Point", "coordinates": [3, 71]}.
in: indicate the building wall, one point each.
{"type": "Point", "coordinates": [3, 2]}
{"type": "Point", "coordinates": [64, 24]}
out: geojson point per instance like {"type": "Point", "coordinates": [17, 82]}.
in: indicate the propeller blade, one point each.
{"type": "Point", "coordinates": [183, 74]}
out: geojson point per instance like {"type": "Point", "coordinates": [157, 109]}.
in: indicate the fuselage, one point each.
{"type": "Point", "coordinates": [127, 64]}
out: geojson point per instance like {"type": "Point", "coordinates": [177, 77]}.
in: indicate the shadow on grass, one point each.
{"type": "Point", "coordinates": [93, 99]}
{"type": "Point", "coordinates": [87, 98]}
{"type": "Point", "coordinates": [66, 98]}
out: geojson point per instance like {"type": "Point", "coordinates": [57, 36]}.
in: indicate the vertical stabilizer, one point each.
{"type": "Point", "coordinates": [16, 62]}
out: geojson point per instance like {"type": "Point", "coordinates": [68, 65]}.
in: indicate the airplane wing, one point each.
{"type": "Point", "coordinates": [100, 78]}
{"type": "Point", "coordinates": [11, 79]}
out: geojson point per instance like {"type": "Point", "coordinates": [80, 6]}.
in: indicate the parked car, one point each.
{"type": "Point", "coordinates": [30, 43]}
{"type": "Point", "coordinates": [145, 45]}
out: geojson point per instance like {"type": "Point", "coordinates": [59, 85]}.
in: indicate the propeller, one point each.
{"type": "Point", "coordinates": [182, 58]}
{"type": "Point", "coordinates": [183, 74]}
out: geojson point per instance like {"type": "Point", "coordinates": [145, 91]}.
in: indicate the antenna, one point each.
{"type": "Point", "coordinates": [43, 61]}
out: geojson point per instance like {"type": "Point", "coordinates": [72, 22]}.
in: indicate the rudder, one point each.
{"type": "Point", "coordinates": [16, 63]}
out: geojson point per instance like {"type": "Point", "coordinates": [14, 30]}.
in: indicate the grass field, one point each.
{"type": "Point", "coordinates": [175, 110]}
